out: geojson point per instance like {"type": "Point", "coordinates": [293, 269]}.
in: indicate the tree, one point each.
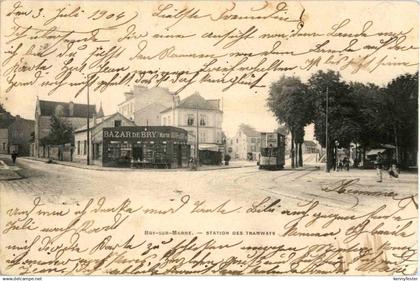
{"type": "Point", "coordinates": [342, 125]}
{"type": "Point", "coordinates": [368, 102]}
{"type": "Point", "coordinates": [60, 133]}
{"type": "Point", "coordinates": [289, 101]}
{"type": "Point", "coordinates": [400, 115]}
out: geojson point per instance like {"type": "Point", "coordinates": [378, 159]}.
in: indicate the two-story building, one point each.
{"type": "Point", "coordinates": [245, 145]}
{"type": "Point", "coordinates": [20, 136]}
{"type": "Point", "coordinates": [143, 105]}
{"type": "Point", "coordinates": [199, 117]}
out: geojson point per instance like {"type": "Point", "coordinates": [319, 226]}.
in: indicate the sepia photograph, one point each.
{"type": "Point", "coordinates": [214, 138]}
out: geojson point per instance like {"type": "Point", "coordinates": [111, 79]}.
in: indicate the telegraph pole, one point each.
{"type": "Point", "coordinates": [197, 140]}
{"type": "Point", "coordinates": [87, 125]}
{"type": "Point", "coordinates": [327, 165]}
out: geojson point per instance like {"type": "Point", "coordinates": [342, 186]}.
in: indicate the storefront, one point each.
{"type": "Point", "coordinates": [149, 147]}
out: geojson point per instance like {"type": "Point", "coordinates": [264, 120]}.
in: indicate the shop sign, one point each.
{"type": "Point", "coordinates": [141, 133]}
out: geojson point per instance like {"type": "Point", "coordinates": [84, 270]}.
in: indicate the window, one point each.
{"type": "Point", "coordinates": [190, 120]}
{"type": "Point", "coordinates": [203, 120]}
{"type": "Point", "coordinates": [164, 121]}
{"type": "Point", "coordinates": [117, 123]}
{"type": "Point", "coordinates": [84, 147]}
{"type": "Point", "coordinates": [253, 140]}
{"type": "Point", "coordinates": [4, 146]}
{"type": "Point", "coordinates": [78, 147]}
{"type": "Point", "coordinates": [202, 136]}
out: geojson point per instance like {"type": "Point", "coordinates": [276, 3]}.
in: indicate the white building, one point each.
{"type": "Point", "coordinates": [143, 105]}
{"type": "Point", "coordinates": [245, 145]}
{"type": "Point", "coordinates": [95, 134]}
{"type": "Point", "coordinates": [193, 114]}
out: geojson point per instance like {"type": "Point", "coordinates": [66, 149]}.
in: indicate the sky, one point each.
{"type": "Point", "coordinates": [240, 104]}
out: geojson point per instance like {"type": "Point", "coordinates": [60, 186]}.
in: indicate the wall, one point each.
{"type": "Point", "coordinates": [150, 115]}
{"type": "Point", "coordinates": [96, 137]}
{"type": "Point", "coordinates": [4, 141]}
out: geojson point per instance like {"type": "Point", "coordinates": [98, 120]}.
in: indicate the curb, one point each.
{"type": "Point", "coordinates": [8, 174]}
{"type": "Point", "coordinates": [95, 168]}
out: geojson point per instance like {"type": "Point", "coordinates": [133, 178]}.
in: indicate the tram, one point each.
{"type": "Point", "coordinates": [272, 154]}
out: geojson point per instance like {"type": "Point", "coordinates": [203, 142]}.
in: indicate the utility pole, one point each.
{"type": "Point", "coordinates": [327, 165]}
{"type": "Point", "coordinates": [87, 121]}
{"type": "Point", "coordinates": [197, 140]}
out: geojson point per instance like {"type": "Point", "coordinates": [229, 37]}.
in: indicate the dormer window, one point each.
{"type": "Point", "coordinates": [117, 123]}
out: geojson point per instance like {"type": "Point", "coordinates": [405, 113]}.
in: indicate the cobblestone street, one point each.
{"type": "Point", "coordinates": [57, 182]}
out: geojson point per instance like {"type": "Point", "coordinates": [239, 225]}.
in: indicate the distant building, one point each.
{"type": "Point", "coordinates": [245, 145]}
{"type": "Point", "coordinates": [143, 105]}
{"type": "Point", "coordinates": [4, 140]}
{"type": "Point", "coordinates": [15, 134]}
{"type": "Point", "coordinates": [196, 112]}
{"type": "Point", "coordinates": [20, 136]}
{"type": "Point", "coordinates": [73, 113]}
{"type": "Point", "coordinates": [309, 146]}
{"type": "Point", "coordinates": [95, 131]}
{"type": "Point", "coordinates": [5, 120]}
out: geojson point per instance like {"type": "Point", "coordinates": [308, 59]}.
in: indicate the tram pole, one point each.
{"type": "Point", "coordinates": [87, 123]}
{"type": "Point", "coordinates": [197, 140]}
{"type": "Point", "coordinates": [327, 164]}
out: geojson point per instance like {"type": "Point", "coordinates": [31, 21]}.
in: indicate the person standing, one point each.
{"type": "Point", "coordinates": [379, 163]}
{"type": "Point", "coordinates": [14, 156]}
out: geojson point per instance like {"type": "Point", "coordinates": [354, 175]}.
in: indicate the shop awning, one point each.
{"type": "Point", "coordinates": [375, 151]}
{"type": "Point", "coordinates": [210, 147]}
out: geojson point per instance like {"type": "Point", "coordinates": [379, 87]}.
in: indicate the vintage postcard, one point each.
{"type": "Point", "coordinates": [209, 138]}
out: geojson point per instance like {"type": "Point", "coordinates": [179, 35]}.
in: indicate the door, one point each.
{"type": "Point", "coordinates": [137, 153]}
{"type": "Point", "coordinates": [179, 155]}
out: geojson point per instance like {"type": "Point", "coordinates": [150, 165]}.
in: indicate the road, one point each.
{"type": "Point", "coordinates": [69, 184]}
{"type": "Point", "coordinates": [297, 208]}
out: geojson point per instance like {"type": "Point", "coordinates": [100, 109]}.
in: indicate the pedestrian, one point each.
{"type": "Point", "coordinates": [378, 163]}
{"type": "Point", "coordinates": [346, 163]}
{"type": "Point", "coordinates": [393, 170]}
{"type": "Point", "coordinates": [14, 156]}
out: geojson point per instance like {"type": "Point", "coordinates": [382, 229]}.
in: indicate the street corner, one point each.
{"type": "Point", "coordinates": [9, 172]}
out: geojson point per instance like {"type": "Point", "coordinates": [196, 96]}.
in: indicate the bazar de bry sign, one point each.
{"type": "Point", "coordinates": [163, 133]}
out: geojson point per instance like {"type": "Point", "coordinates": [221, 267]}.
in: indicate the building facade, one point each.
{"type": "Point", "coordinates": [74, 114]}
{"type": "Point", "coordinates": [145, 147]}
{"type": "Point", "coordinates": [4, 141]}
{"type": "Point", "coordinates": [245, 145]}
{"type": "Point", "coordinates": [21, 136]}
{"type": "Point", "coordinates": [196, 114]}
{"type": "Point", "coordinates": [143, 105]}
{"type": "Point", "coordinates": [95, 134]}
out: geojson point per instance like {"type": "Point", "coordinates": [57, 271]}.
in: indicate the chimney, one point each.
{"type": "Point", "coordinates": [71, 108]}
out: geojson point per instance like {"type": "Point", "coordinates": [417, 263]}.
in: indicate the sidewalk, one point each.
{"type": "Point", "coordinates": [232, 165]}
{"type": "Point", "coordinates": [8, 171]}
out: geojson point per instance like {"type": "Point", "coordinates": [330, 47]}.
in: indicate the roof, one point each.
{"type": "Point", "coordinates": [310, 143]}
{"type": "Point", "coordinates": [196, 101]}
{"type": "Point", "coordinates": [48, 108]}
{"type": "Point", "coordinates": [21, 120]}
{"type": "Point", "coordinates": [6, 119]}
{"type": "Point", "coordinates": [249, 131]}
{"type": "Point", "coordinates": [375, 151]}
{"type": "Point", "coordinates": [99, 120]}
